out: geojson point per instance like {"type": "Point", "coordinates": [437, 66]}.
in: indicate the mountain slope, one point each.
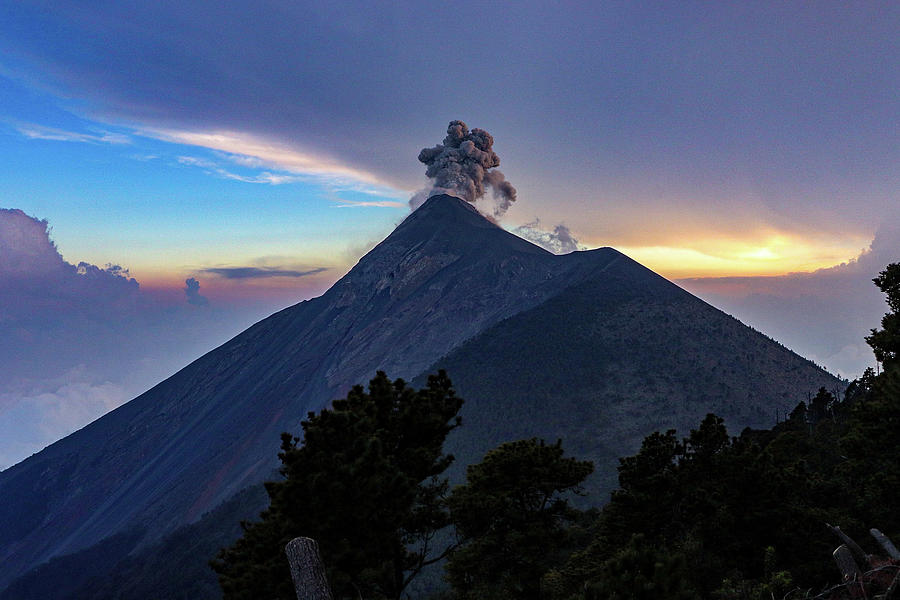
{"type": "Point", "coordinates": [444, 276]}
{"type": "Point", "coordinates": [612, 359]}
{"type": "Point", "coordinates": [186, 445]}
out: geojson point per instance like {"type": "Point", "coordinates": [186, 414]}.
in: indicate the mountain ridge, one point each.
{"type": "Point", "coordinates": [139, 464]}
{"type": "Point", "coordinates": [445, 275]}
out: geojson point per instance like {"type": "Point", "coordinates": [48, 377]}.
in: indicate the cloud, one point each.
{"type": "Point", "coordinates": [213, 168]}
{"type": "Point", "coordinates": [823, 315]}
{"type": "Point", "coordinates": [559, 240]}
{"type": "Point", "coordinates": [192, 291]}
{"type": "Point", "coordinates": [341, 92]}
{"type": "Point", "coordinates": [78, 339]}
{"type": "Point", "coordinates": [38, 132]}
{"type": "Point", "coordinates": [343, 203]}
{"type": "Point", "coordinates": [259, 272]}
{"type": "Point", "coordinates": [47, 300]}
{"type": "Point", "coordinates": [48, 410]}
{"type": "Point", "coordinates": [25, 245]}
{"type": "Point", "coordinates": [193, 161]}
{"type": "Point", "coordinates": [254, 151]}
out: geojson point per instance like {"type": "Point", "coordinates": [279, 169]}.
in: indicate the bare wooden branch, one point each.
{"type": "Point", "coordinates": [851, 544]}
{"type": "Point", "coordinates": [886, 543]}
{"type": "Point", "coordinates": [307, 569]}
{"type": "Point", "coordinates": [843, 557]}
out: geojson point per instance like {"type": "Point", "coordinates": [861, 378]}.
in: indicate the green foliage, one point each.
{"type": "Point", "coordinates": [873, 435]}
{"type": "Point", "coordinates": [774, 584]}
{"type": "Point", "coordinates": [595, 377]}
{"type": "Point", "coordinates": [704, 516]}
{"type": "Point", "coordinates": [886, 342]}
{"type": "Point", "coordinates": [512, 519]}
{"type": "Point", "coordinates": [703, 510]}
{"type": "Point", "coordinates": [641, 571]}
{"type": "Point", "coordinates": [365, 483]}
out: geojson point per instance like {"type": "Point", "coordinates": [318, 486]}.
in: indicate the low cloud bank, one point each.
{"type": "Point", "coordinates": [77, 340]}
{"type": "Point", "coordinates": [823, 315]}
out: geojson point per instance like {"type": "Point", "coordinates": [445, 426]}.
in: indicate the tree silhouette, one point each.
{"type": "Point", "coordinates": [886, 341]}
{"type": "Point", "coordinates": [511, 517]}
{"type": "Point", "coordinates": [365, 483]}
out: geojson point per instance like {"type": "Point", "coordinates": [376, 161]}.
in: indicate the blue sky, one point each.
{"type": "Point", "coordinates": [759, 130]}
{"type": "Point", "coordinates": [744, 149]}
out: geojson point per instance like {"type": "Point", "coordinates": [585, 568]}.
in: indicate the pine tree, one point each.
{"type": "Point", "coordinates": [512, 517]}
{"type": "Point", "coordinates": [365, 483]}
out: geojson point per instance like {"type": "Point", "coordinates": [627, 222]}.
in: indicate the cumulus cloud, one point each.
{"type": "Point", "coordinates": [34, 275]}
{"type": "Point", "coordinates": [259, 272]}
{"type": "Point", "coordinates": [25, 245]}
{"type": "Point", "coordinates": [78, 339]}
{"type": "Point", "coordinates": [558, 240]}
{"type": "Point", "coordinates": [823, 315]}
{"type": "Point", "coordinates": [192, 291]}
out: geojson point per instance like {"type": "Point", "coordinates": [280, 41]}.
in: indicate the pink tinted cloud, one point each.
{"type": "Point", "coordinates": [77, 340]}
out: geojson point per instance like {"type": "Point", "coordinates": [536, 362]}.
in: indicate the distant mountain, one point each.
{"type": "Point", "coordinates": [590, 347]}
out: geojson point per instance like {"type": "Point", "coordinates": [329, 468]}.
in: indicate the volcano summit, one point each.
{"type": "Point", "coordinates": [590, 347]}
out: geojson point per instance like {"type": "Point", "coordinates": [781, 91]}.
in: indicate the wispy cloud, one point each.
{"type": "Point", "coordinates": [193, 161]}
{"type": "Point", "coordinates": [344, 203]}
{"type": "Point", "coordinates": [213, 168]}
{"type": "Point", "coordinates": [255, 152]}
{"type": "Point", "coordinates": [39, 132]}
{"type": "Point", "coordinates": [259, 272]}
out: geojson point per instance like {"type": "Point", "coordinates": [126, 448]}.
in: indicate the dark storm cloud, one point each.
{"type": "Point", "coordinates": [461, 166]}
{"type": "Point", "coordinates": [259, 272]}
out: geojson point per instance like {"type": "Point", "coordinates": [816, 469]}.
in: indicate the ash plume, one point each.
{"type": "Point", "coordinates": [460, 166]}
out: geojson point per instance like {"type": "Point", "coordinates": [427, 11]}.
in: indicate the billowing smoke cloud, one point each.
{"type": "Point", "coordinates": [192, 291]}
{"type": "Point", "coordinates": [460, 167]}
{"type": "Point", "coordinates": [558, 241]}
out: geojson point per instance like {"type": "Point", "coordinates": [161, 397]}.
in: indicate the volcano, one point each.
{"type": "Point", "coordinates": [590, 347]}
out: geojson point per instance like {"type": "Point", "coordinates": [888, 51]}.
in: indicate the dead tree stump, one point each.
{"type": "Point", "coordinates": [307, 569]}
{"type": "Point", "coordinates": [886, 543]}
{"type": "Point", "coordinates": [851, 544]}
{"type": "Point", "coordinates": [843, 557]}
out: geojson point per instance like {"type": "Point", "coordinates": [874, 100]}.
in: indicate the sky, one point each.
{"type": "Point", "coordinates": [171, 172]}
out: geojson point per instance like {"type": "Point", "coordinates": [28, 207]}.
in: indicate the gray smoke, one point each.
{"type": "Point", "coordinates": [460, 166]}
{"type": "Point", "coordinates": [192, 291]}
